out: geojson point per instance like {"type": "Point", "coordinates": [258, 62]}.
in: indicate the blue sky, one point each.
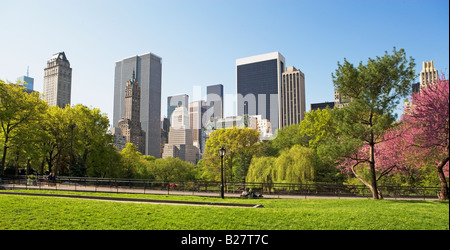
{"type": "Point", "coordinates": [200, 40]}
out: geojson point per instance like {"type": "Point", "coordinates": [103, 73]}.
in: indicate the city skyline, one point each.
{"type": "Point", "coordinates": [199, 46]}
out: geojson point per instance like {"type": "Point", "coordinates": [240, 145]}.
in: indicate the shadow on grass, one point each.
{"type": "Point", "coordinates": [417, 201]}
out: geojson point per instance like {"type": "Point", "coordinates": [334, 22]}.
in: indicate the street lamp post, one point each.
{"type": "Point", "coordinates": [222, 152]}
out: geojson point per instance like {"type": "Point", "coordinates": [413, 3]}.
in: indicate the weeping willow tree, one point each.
{"type": "Point", "coordinates": [262, 169]}
{"type": "Point", "coordinates": [296, 165]}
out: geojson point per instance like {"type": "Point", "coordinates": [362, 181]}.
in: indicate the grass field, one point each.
{"type": "Point", "coordinates": [34, 213]}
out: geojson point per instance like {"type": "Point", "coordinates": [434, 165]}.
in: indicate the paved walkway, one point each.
{"type": "Point", "coordinates": [107, 189]}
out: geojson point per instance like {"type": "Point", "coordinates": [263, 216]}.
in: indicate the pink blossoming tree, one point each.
{"type": "Point", "coordinates": [421, 137]}
{"type": "Point", "coordinates": [427, 124]}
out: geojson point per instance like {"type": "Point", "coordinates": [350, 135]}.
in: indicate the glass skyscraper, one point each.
{"type": "Point", "coordinates": [258, 86]}
{"type": "Point", "coordinates": [214, 99]}
{"type": "Point", "coordinates": [148, 70]}
{"type": "Point", "coordinates": [28, 82]}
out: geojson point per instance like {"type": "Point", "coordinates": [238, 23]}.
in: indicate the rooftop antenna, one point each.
{"type": "Point", "coordinates": [28, 71]}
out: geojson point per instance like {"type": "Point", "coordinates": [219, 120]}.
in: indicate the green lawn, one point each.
{"type": "Point", "coordinates": [28, 212]}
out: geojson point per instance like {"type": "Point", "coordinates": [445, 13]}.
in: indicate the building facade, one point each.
{"type": "Point", "coordinates": [130, 124]}
{"type": "Point", "coordinates": [428, 74]}
{"type": "Point", "coordinates": [322, 105]}
{"type": "Point", "coordinates": [259, 80]}
{"type": "Point", "coordinates": [176, 101]}
{"type": "Point", "coordinates": [27, 82]}
{"type": "Point", "coordinates": [58, 81]}
{"type": "Point", "coordinates": [148, 70]}
{"type": "Point", "coordinates": [196, 111]}
{"type": "Point", "coordinates": [292, 97]}
{"type": "Point", "coordinates": [341, 100]}
{"type": "Point", "coordinates": [214, 100]}
{"type": "Point", "coordinates": [180, 138]}
{"type": "Point", "coordinates": [255, 122]}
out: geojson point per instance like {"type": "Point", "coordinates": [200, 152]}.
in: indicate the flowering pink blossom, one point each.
{"type": "Point", "coordinates": [421, 137]}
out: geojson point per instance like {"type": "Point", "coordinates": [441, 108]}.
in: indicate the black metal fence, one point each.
{"type": "Point", "coordinates": [272, 190]}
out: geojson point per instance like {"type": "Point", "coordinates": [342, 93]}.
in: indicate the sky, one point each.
{"type": "Point", "coordinates": [200, 40]}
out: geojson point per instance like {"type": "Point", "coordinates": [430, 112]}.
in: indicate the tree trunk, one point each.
{"type": "Point", "coordinates": [443, 194]}
{"type": "Point", "coordinates": [5, 148]}
{"type": "Point", "coordinates": [42, 165]}
{"type": "Point", "coordinates": [368, 185]}
{"type": "Point", "coordinates": [373, 175]}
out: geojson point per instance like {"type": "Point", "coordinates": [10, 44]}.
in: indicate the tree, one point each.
{"type": "Point", "coordinates": [107, 163]}
{"type": "Point", "coordinates": [387, 155]}
{"type": "Point", "coordinates": [376, 89]}
{"type": "Point", "coordinates": [289, 136]}
{"type": "Point", "coordinates": [172, 169]}
{"type": "Point", "coordinates": [427, 129]}
{"type": "Point", "coordinates": [262, 169]}
{"type": "Point", "coordinates": [53, 137]}
{"type": "Point", "coordinates": [17, 109]}
{"type": "Point", "coordinates": [317, 126]}
{"type": "Point", "coordinates": [87, 131]}
{"type": "Point", "coordinates": [297, 165]}
{"type": "Point", "coordinates": [240, 144]}
{"type": "Point", "coordinates": [130, 159]}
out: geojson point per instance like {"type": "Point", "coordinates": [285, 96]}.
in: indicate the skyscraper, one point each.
{"type": "Point", "coordinates": [130, 124]}
{"type": "Point", "coordinates": [214, 99]}
{"type": "Point", "coordinates": [176, 101]}
{"type": "Point", "coordinates": [148, 70]}
{"type": "Point", "coordinates": [180, 138]}
{"type": "Point", "coordinates": [28, 82]}
{"type": "Point", "coordinates": [428, 74]}
{"type": "Point", "coordinates": [196, 111]}
{"type": "Point", "coordinates": [58, 80]}
{"type": "Point", "coordinates": [259, 86]}
{"type": "Point", "coordinates": [292, 97]}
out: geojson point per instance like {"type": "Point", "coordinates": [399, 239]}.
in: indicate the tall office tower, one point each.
{"type": "Point", "coordinates": [292, 97]}
{"type": "Point", "coordinates": [58, 81]}
{"type": "Point", "coordinates": [258, 86]}
{"type": "Point", "coordinates": [148, 69]}
{"type": "Point", "coordinates": [176, 101]}
{"type": "Point", "coordinates": [130, 124]}
{"type": "Point", "coordinates": [428, 74]}
{"type": "Point", "coordinates": [214, 100]}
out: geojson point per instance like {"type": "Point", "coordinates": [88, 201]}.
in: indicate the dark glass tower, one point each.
{"type": "Point", "coordinates": [258, 86]}
{"type": "Point", "coordinates": [214, 99]}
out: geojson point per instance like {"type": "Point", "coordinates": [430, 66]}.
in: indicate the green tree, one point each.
{"type": "Point", "coordinates": [287, 137]}
{"type": "Point", "coordinates": [297, 165]}
{"type": "Point", "coordinates": [105, 163]}
{"type": "Point", "coordinates": [262, 169]}
{"type": "Point", "coordinates": [132, 161]}
{"type": "Point", "coordinates": [317, 126]}
{"type": "Point", "coordinates": [376, 89]}
{"type": "Point", "coordinates": [17, 110]}
{"type": "Point", "coordinates": [240, 145]}
{"type": "Point", "coordinates": [172, 169]}
{"type": "Point", "coordinates": [53, 139]}
{"type": "Point", "coordinates": [88, 136]}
